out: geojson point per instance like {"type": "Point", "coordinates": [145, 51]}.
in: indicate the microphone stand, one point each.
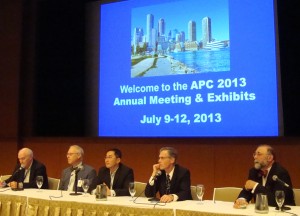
{"type": "Point", "coordinates": [16, 171]}
{"type": "Point", "coordinates": [76, 183]}
{"type": "Point", "coordinates": [139, 195]}
{"type": "Point", "coordinates": [154, 198]}
{"type": "Point", "coordinates": [18, 180]}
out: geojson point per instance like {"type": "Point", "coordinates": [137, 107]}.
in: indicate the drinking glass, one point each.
{"type": "Point", "coordinates": [131, 189]}
{"type": "Point", "coordinates": [39, 182]}
{"type": "Point", "coordinates": [279, 197]}
{"type": "Point", "coordinates": [200, 189]}
{"type": "Point", "coordinates": [85, 184]}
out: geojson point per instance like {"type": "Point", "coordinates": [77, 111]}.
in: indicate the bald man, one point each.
{"type": "Point", "coordinates": [26, 171]}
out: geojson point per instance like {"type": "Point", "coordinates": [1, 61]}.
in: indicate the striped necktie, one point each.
{"type": "Point", "coordinates": [168, 184]}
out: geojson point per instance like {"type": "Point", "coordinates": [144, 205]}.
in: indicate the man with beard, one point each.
{"type": "Point", "coordinates": [260, 179]}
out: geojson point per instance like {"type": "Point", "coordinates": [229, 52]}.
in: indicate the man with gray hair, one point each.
{"type": "Point", "coordinates": [262, 178]}
{"type": "Point", "coordinates": [84, 171]}
{"type": "Point", "coordinates": [172, 181]}
{"type": "Point", "coordinates": [26, 171]}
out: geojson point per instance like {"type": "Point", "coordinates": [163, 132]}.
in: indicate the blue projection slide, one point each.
{"type": "Point", "coordinates": [188, 68]}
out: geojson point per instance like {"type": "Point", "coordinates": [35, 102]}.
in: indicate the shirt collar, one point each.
{"type": "Point", "coordinates": [114, 172]}
{"type": "Point", "coordinates": [30, 166]}
{"type": "Point", "coordinates": [75, 167]}
{"type": "Point", "coordinates": [171, 173]}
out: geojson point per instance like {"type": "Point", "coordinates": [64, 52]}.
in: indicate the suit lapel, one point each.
{"type": "Point", "coordinates": [32, 170]}
{"type": "Point", "coordinates": [174, 178]}
{"type": "Point", "coordinates": [117, 175]}
{"type": "Point", "coordinates": [106, 178]}
{"type": "Point", "coordinates": [81, 173]}
{"type": "Point", "coordinates": [162, 187]}
{"type": "Point", "coordinates": [270, 175]}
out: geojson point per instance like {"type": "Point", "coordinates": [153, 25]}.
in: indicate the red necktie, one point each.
{"type": "Point", "coordinates": [263, 173]}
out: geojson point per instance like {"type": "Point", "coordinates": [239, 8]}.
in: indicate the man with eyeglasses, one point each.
{"type": "Point", "coordinates": [260, 179]}
{"type": "Point", "coordinates": [168, 178]}
{"type": "Point", "coordinates": [83, 171]}
{"type": "Point", "coordinates": [115, 175]}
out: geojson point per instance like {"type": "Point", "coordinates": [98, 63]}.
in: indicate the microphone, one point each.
{"type": "Point", "coordinates": [154, 178]}
{"type": "Point", "coordinates": [275, 178]}
{"type": "Point", "coordinates": [21, 167]}
{"type": "Point", "coordinates": [77, 169]}
{"type": "Point", "coordinates": [156, 175]}
{"type": "Point", "coordinates": [17, 170]}
{"type": "Point", "coordinates": [14, 177]}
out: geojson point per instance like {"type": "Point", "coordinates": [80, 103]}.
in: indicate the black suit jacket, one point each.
{"type": "Point", "coordinates": [123, 176]}
{"type": "Point", "coordinates": [180, 184]}
{"type": "Point", "coordinates": [271, 185]}
{"type": "Point", "coordinates": [37, 169]}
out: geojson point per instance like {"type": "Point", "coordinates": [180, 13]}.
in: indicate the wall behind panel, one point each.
{"type": "Point", "coordinates": [8, 155]}
{"type": "Point", "coordinates": [213, 162]}
{"type": "Point", "coordinates": [10, 60]}
{"type": "Point", "coordinates": [10, 57]}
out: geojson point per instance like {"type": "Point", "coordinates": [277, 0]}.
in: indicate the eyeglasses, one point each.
{"type": "Point", "coordinates": [109, 157]}
{"type": "Point", "coordinates": [162, 158]}
{"type": "Point", "coordinates": [258, 154]}
{"type": "Point", "coordinates": [69, 154]}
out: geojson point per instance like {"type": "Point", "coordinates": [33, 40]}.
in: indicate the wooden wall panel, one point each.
{"type": "Point", "coordinates": [10, 52]}
{"type": "Point", "coordinates": [8, 155]}
{"type": "Point", "coordinates": [231, 164]}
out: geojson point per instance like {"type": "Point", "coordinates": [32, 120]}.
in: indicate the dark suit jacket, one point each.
{"type": "Point", "coordinates": [37, 169]}
{"type": "Point", "coordinates": [180, 184]}
{"type": "Point", "coordinates": [86, 172]}
{"type": "Point", "coordinates": [271, 185]}
{"type": "Point", "coordinates": [123, 176]}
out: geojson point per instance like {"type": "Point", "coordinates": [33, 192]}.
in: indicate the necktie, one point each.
{"type": "Point", "coordinates": [263, 173]}
{"type": "Point", "coordinates": [168, 184]}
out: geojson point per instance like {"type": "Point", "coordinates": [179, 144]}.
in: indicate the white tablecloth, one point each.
{"type": "Point", "coordinates": [52, 202]}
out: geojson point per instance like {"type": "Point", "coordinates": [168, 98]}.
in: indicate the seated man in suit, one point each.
{"type": "Point", "coordinates": [115, 175]}
{"type": "Point", "coordinates": [168, 178]}
{"type": "Point", "coordinates": [84, 171]}
{"type": "Point", "coordinates": [260, 179]}
{"type": "Point", "coordinates": [26, 171]}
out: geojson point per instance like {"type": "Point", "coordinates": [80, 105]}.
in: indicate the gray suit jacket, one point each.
{"type": "Point", "coordinates": [87, 172]}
